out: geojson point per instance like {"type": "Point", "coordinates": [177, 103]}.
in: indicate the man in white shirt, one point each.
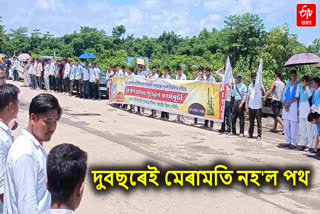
{"type": "Point", "coordinates": [77, 77]}
{"type": "Point", "coordinates": [254, 103]}
{"type": "Point", "coordinates": [9, 107]}
{"type": "Point", "coordinates": [85, 81]}
{"type": "Point", "coordinates": [46, 75]}
{"type": "Point", "coordinates": [117, 71]}
{"type": "Point", "coordinates": [142, 73]}
{"type": "Point", "coordinates": [227, 105]}
{"type": "Point", "coordinates": [52, 79]}
{"type": "Point", "coordinates": [180, 76]}
{"type": "Point", "coordinates": [165, 115]}
{"type": "Point", "coordinates": [98, 80]}
{"type": "Point", "coordinates": [153, 76]}
{"type": "Point", "coordinates": [92, 82]}
{"type": "Point", "coordinates": [15, 65]}
{"type": "Point", "coordinates": [66, 73]}
{"type": "Point", "coordinates": [109, 75]}
{"type": "Point", "coordinates": [131, 74]}
{"type": "Point", "coordinates": [209, 79]}
{"type": "Point", "coordinates": [66, 167]}
{"type": "Point", "coordinates": [71, 77]}
{"type": "Point", "coordinates": [26, 173]}
{"type": "Point", "coordinates": [198, 76]}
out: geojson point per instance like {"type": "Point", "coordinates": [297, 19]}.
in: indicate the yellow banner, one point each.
{"type": "Point", "coordinates": [190, 98]}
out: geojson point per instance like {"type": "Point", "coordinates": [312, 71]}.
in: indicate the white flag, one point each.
{"type": "Point", "coordinates": [259, 74]}
{"type": "Point", "coordinates": [228, 78]}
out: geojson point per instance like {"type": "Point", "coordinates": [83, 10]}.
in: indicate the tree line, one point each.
{"type": "Point", "coordinates": [244, 38]}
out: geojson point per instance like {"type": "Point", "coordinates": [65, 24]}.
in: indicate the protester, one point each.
{"type": "Point", "coordinates": [46, 76]}
{"type": "Point", "coordinates": [98, 80]}
{"type": "Point", "coordinates": [165, 115]}
{"type": "Point", "coordinates": [210, 79]}
{"type": "Point", "coordinates": [59, 75]}
{"type": "Point", "coordinates": [32, 71]}
{"type": "Point", "coordinates": [131, 74]}
{"type": "Point", "coordinates": [85, 81]}
{"type": "Point", "coordinates": [304, 109]}
{"type": "Point", "coordinates": [2, 76]}
{"type": "Point", "coordinates": [66, 168]}
{"type": "Point", "coordinates": [52, 79]}
{"type": "Point", "coordinates": [314, 118]}
{"type": "Point", "coordinates": [290, 110]}
{"type": "Point", "coordinates": [254, 104]}
{"type": "Point", "coordinates": [92, 82]}
{"type": "Point", "coordinates": [65, 76]}
{"type": "Point", "coordinates": [26, 81]}
{"type": "Point", "coordinates": [77, 78]}
{"type": "Point", "coordinates": [109, 75]}
{"type": "Point", "coordinates": [8, 65]}
{"type": "Point", "coordinates": [117, 72]}
{"type": "Point", "coordinates": [15, 65]}
{"type": "Point", "coordinates": [9, 107]}
{"type": "Point", "coordinates": [26, 174]}
{"type": "Point", "coordinates": [153, 76]}
{"type": "Point", "coordinates": [124, 72]}
{"type": "Point", "coordinates": [198, 76]}
{"type": "Point", "coordinates": [180, 76]}
{"type": "Point", "coordinates": [276, 89]}
{"type": "Point", "coordinates": [239, 93]}
{"type": "Point", "coordinates": [71, 77]}
{"type": "Point", "coordinates": [227, 105]}
{"type": "Point", "coordinates": [38, 74]}
{"type": "Point", "coordinates": [141, 73]}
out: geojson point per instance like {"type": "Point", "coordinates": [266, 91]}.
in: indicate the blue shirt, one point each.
{"type": "Point", "coordinates": [77, 72]}
{"type": "Point", "coordinates": [243, 91]}
{"type": "Point", "coordinates": [318, 128]}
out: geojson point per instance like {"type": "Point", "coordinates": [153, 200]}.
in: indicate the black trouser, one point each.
{"type": "Point", "coordinates": [52, 82]}
{"type": "Point", "coordinates": [236, 112]}
{"type": "Point", "coordinates": [15, 75]}
{"type": "Point", "coordinates": [153, 112]}
{"type": "Point", "coordinates": [85, 89]}
{"type": "Point", "coordinates": [97, 91]}
{"type": "Point", "coordinates": [77, 86]}
{"type": "Point", "coordinates": [255, 114]}
{"type": "Point", "coordinates": [227, 116]}
{"type": "Point", "coordinates": [39, 82]}
{"type": "Point", "coordinates": [92, 90]}
{"type": "Point", "coordinates": [66, 87]}
{"type": "Point", "coordinates": [206, 122]}
{"type": "Point", "coordinates": [59, 84]}
{"type": "Point", "coordinates": [7, 73]}
{"type": "Point", "coordinates": [165, 115]}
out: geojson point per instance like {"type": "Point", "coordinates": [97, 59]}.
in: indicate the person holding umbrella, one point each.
{"type": "Point", "coordinates": [290, 110]}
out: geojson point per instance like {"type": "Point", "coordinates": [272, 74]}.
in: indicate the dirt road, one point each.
{"type": "Point", "coordinates": [112, 136]}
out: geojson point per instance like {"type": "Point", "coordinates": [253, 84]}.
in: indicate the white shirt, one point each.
{"type": "Point", "coordinates": [118, 73]}
{"type": "Point", "coordinates": [31, 69]}
{"type": "Point", "coordinates": [92, 75]}
{"type": "Point", "coordinates": [165, 76]}
{"type": "Point", "coordinates": [52, 67]}
{"type": "Point", "coordinates": [200, 78]}
{"type": "Point", "coordinates": [85, 73]}
{"type": "Point", "coordinates": [211, 79]}
{"type": "Point", "coordinates": [46, 70]}
{"type": "Point", "coordinates": [293, 109]}
{"type": "Point", "coordinates": [228, 87]}
{"type": "Point", "coordinates": [97, 73]}
{"type": "Point", "coordinates": [153, 76]}
{"type": "Point", "coordinates": [15, 64]}
{"type": "Point", "coordinates": [59, 211]}
{"type": "Point", "coordinates": [255, 96]}
{"type": "Point", "coordinates": [108, 74]}
{"type": "Point", "coordinates": [71, 73]}
{"type": "Point", "coordinates": [5, 144]}
{"type": "Point", "coordinates": [143, 73]}
{"type": "Point", "coordinates": [26, 173]}
{"type": "Point", "coordinates": [182, 77]}
{"type": "Point", "coordinates": [66, 70]}
{"type": "Point", "coordinates": [304, 107]}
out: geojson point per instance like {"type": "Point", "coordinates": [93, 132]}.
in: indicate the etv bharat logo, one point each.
{"type": "Point", "coordinates": [306, 15]}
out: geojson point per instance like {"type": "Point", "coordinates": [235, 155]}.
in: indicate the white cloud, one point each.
{"type": "Point", "coordinates": [46, 4]}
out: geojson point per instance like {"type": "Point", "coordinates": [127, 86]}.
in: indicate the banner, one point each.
{"type": "Point", "coordinates": [190, 98]}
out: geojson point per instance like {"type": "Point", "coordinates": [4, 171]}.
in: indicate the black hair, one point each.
{"type": "Point", "coordinates": [123, 66]}
{"type": "Point", "coordinates": [278, 73]}
{"type": "Point", "coordinates": [312, 116]}
{"type": "Point", "coordinates": [131, 69]}
{"type": "Point", "coordinates": [66, 169]}
{"type": "Point", "coordinates": [200, 68]}
{"type": "Point", "coordinates": [43, 103]}
{"type": "Point", "coordinates": [293, 72]}
{"type": "Point", "coordinates": [208, 69]}
{"type": "Point", "coordinates": [154, 67]}
{"type": "Point", "coordinates": [8, 93]}
{"type": "Point", "coordinates": [253, 75]}
{"type": "Point", "coordinates": [306, 78]}
{"type": "Point", "coordinates": [316, 80]}
{"type": "Point", "coordinates": [166, 67]}
{"type": "Point", "coordinates": [178, 67]}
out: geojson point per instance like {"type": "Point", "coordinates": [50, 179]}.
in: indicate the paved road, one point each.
{"type": "Point", "coordinates": [112, 136]}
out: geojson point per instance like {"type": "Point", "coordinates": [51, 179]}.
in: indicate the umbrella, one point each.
{"type": "Point", "coordinates": [87, 56]}
{"type": "Point", "coordinates": [2, 54]}
{"type": "Point", "coordinates": [303, 59]}
{"type": "Point", "coordinates": [24, 57]}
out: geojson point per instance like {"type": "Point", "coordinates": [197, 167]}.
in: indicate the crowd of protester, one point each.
{"type": "Point", "coordinates": [25, 167]}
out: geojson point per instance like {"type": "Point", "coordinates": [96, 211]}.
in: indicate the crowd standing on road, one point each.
{"type": "Point", "coordinates": [25, 166]}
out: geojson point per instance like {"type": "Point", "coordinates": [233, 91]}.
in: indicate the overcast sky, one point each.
{"type": "Point", "coordinates": [149, 17]}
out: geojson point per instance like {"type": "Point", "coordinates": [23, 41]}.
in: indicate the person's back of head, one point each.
{"type": "Point", "coordinates": [66, 170]}
{"type": "Point", "coordinates": [9, 104]}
